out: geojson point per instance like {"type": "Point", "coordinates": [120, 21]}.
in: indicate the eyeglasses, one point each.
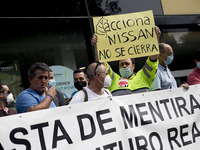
{"type": "Point", "coordinates": [98, 64]}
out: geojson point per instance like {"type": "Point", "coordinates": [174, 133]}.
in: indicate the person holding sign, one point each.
{"type": "Point", "coordinates": [98, 79]}
{"type": "Point", "coordinates": [164, 78]}
{"type": "Point", "coordinates": [127, 82]}
{"type": "Point", "coordinates": [37, 96]}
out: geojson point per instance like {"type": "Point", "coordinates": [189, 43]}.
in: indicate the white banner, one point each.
{"type": "Point", "coordinates": [161, 120]}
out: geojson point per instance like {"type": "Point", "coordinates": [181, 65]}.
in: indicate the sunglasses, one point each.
{"type": "Point", "coordinates": [98, 64]}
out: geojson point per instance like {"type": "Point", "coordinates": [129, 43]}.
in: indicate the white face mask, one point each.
{"type": "Point", "coordinates": [107, 81]}
{"type": "Point", "coordinates": [10, 98]}
{"type": "Point", "coordinates": [125, 72]}
{"type": "Point", "coordinates": [198, 64]}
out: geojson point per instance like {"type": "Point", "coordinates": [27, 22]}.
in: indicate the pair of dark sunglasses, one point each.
{"type": "Point", "coordinates": [98, 64]}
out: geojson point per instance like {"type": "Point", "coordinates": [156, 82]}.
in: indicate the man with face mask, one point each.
{"type": "Point", "coordinates": [59, 99]}
{"type": "Point", "coordinates": [99, 78]}
{"type": "Point", "coordinates": [80, 80]}
{"type": "Point", "coordinates": [128, 82]}
{"type": "Point", "coordinates": [164, 78]}
{"type": "Point", "coordinates": [6, 97]}
{"type": "Point", "coordinates": [194, 76]}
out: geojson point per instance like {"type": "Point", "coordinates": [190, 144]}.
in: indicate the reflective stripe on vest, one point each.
{"type": "Point", "coordinates": [146, 66]}
{"type": "Point", "coordinates": [109, 71]}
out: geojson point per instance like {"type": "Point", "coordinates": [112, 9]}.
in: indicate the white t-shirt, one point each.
{"type": "Point", "coordinates": [79, 96]}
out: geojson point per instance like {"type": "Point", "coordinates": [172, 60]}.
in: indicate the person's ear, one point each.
{"type": "Point", "coordinates": [133, 66]}
{"type": "Point", "coordinates": [87, 80]}
{"type": "Point", "coordinates": [98, 75]}
{"type": "Point", "coordinates": [30, 79]}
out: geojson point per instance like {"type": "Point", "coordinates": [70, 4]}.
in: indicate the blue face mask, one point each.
{"type": "Point", "coordinates": [52, 82]}
{"type": "Point", "coordinates": [169, 60]}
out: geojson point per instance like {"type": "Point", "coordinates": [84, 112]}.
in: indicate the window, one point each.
{"type": "Point", "coordinates": [53, 41]}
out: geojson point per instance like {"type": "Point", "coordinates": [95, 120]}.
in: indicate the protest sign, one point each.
{"type": "Point", "coordinates": [125, 36]}
{"type": "Point", "coordinates": [160, 120]}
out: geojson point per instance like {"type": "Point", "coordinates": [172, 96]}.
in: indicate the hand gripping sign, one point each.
{"type": "Point", "coordinates": [125, 36]}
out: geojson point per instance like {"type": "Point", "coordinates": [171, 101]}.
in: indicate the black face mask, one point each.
{"type": "Point", "coordinates": [79, 85]}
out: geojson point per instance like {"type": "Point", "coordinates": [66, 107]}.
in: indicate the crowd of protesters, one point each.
{"type": "Point", "coordinates": [99, 82]}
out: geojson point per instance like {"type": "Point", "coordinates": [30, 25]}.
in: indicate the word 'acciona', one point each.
{"type": "Point", "coordinates": [125, 23]}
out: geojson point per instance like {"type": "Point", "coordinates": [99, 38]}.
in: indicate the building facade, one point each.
{"type": "Point", "coordinates": [59, 33]}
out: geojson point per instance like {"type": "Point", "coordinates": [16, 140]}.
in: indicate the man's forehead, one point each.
{"type": "Point", "coordinates": [80, 74]}
{"type": "Point", "coordinates": [125, 60]}
{"type": "Point", "coordinates": [40, 72]}
{"type": "Point", "coordinates": [169, 49]}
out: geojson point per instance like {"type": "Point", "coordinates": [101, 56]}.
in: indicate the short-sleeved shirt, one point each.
{"type": "Point", "coordinates": [163, 79]}
{"type": "Point", "coordinates": [29, 98]}
{"type": "Point", "coordinates": [79, 96]}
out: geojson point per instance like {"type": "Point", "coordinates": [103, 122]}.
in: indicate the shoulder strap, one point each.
{"type": "Point", "coordinates": [106, 91]}
{"type": "Point", "coordinates": [85, 95]}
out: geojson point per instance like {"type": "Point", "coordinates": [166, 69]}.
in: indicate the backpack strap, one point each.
{"type": "Point", "coordinates": [85, 95]}
{"type": "Point", "coordinates": [106, 91]}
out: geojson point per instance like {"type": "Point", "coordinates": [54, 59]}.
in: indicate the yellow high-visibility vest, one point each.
{"type": "Point", "coordinates": [140, 82]}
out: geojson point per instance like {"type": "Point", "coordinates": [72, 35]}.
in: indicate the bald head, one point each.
{"type": "Point", "coordinates": [165, 51]}
{"type": "Point", "coordinates": [94, 68]}
{"type": "Point", "coordinates": [165, 48]}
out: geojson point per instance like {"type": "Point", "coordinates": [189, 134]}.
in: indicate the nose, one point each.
{"type": "Point", "coordinates": [124, 65]}
{"type": "Point", "coordinates": [43, 80]}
